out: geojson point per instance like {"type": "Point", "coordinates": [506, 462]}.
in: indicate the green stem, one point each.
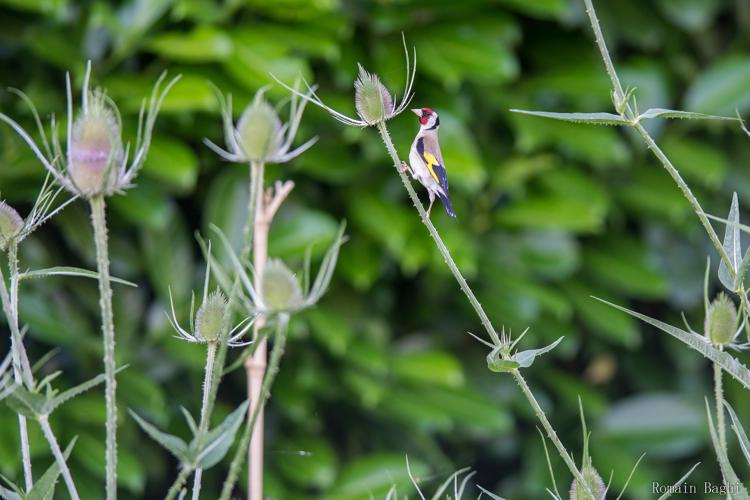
{"type": "Point", "coordinates": [99, 222]}
{"type": "Point", "coordinates": [18, 353]}
{"type": "Point", "coordinates": [436, 236]}
{"type": "Point", "coordinates": [178, 483]}
{"type": "Point", "coordinates": [59, 458]}
{"type": "Point", "coordinates": [719, 395]}
{"type": "Point", "coordinates": [204, 421]}
{"type": "Point", "coordinates": [670, 168]}
{"type": "Point", "coordinates": [271, 371]}
{"type": "Point", "coordinates": [617, 86]}
{"type": "Point", "coordinates": [551, 432]}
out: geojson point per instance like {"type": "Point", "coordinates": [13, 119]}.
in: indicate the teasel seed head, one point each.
{"type": "Point", "coordinates": [373, 101]}
{"type": "Point", "coordinates": [281, 290]}
{"type": "Point", "coordinates": [96, 155]}
{"type": "Point", "coordinates": [209, 320]}
{"type": "Point", "coordinates": [10, 223]}
{"type": "Point", "coordinates": [593, 481]}
{"type": "Point", "coordinates": [721, 321]}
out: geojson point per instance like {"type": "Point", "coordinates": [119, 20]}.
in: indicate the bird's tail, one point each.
{"type": "Point", "coordinates": [446, 199]}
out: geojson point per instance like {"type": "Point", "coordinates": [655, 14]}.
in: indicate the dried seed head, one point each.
{"type": "Point", "coordinates": [721, 321]}
{"type": "Point", "coordinates": [373, 101]}
{"type": "Point", "coordinates": [260, 132]}
{"type": "Point", "coordinates": [594, 482]}
{"type": "Point", "coordinates": [10, 223]}
{"type": "Point", "coordinates": [209, 320]}
{"type": "Point", "coordinates": [281, 290]}
{"type": "Point", "coordinates": [96, 151]}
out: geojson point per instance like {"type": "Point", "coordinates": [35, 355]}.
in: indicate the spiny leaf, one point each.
{"type": "Point", "coordinates": [676, 485]}
{"type": "Point", "coordinates": [44, 488]}
{"type": "Point", "coordinates": [64, 396]}
{"type": "Point", "coordinates": [674, 113]}
{"type": "Point", "coordinates": [740, 431]}
{"type": "Point", "coordinates": [26, 403]}
{"type": "Point", "coordinates": [732, 246]}
{"type": "Point", "coordinates": [730, 477]}
{"type": "Point", "coordinates": [491, 495]}
{"type": "Point", "coordinates": [587, 118]}
{"type": "Point", "coordinates": [69, 271]}
{"type": "Point", "coordinates": [172, 444]}
{"type": "Point", "coordinates": [526, 358]}
{"type": "Point", "coordinates": [726, 361]}
{"type": "Point", "coordinates": [221, 438]}
{"type": "Point", "coordinates": [443, 487]}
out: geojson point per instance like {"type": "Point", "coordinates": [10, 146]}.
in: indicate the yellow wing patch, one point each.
{"type": "Point", "coordinates": [431, 161]}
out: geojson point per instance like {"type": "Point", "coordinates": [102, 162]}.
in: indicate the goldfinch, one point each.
{"type": "Point", "coordinates": [425, 161]}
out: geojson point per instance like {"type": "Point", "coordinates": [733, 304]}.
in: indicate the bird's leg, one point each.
{"type": "Point", "coordinates": [432, 200]}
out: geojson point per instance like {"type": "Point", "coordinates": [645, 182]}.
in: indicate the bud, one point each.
{"type": "Point", "coordinates": [96, 151]}
{"type": "Point", "coordinates": [281, 290]}
{"type": "Point", "coordinates": [373, 101]}
{"type": "Point", "coordinates": [721, 321]}
{"type": "Point", "coordinates": [210, 317]}
{"type": "Point", "coordinates": [10, 223]}
{"type": "Point", "coordinates": [593, 481]}
{"type": "Point", "coordinates": [260, 132]}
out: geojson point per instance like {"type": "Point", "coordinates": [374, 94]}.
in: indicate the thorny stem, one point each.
{"type": "Point", "coordinates": [551, 432]}
{"type": "Point", "coordinates": [178, 483]}
{"type": "Point", "coordinates": [719, 395]}
{"type": "Point", "coordinates": [477, 306]}
{"type": "Point", "coordinates": [55, 447]}
{"type": "Point", "coordinates": [19, 356]}
{"type": "Point", "coordinates": [204, 421]}
{"type": "Point", "coordinates": [602, 45]}
{"type": "Point", "coordinates": [99, 222]}
{"type": "Point", "coordinates": [270, 375]}
{"type": "Point", "coordinates": [436, 236]}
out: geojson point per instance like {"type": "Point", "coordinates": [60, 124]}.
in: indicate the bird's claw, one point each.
{"type": "Point", "coordinates": [405, 167]}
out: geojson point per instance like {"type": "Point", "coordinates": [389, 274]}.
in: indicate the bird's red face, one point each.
{"type": "Point", "coordinates": [427, 117]}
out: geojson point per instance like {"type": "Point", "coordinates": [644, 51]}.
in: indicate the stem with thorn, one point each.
{"type": "Point", "coordinates": [204, 421]}
{"type": "Point", "coordinates": [99, 222]}
{"type": "Point", "coordinates": [719, 395]}
{"type": "Point", "coordinates": [59, 457]}
{"type": "Point", "coordinates": [478, 307]}
{"type": "Point", "coordinates": [254, 420]}
{"type": "Point", "coordinates": [18, 353]}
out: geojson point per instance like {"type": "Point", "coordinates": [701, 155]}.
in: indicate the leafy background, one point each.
{"type": "Point", "coordinates": [549, 214]}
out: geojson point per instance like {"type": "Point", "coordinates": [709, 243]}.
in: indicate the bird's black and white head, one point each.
{"type": "Point", "coordinates": [428, 119]}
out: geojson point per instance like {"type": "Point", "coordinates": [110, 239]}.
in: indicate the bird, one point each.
{"type": "Point", "coordinates": [425, 161]}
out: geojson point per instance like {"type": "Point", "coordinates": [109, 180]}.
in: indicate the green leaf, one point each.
{"type": "Point", "coordinates": [292, 234]}
{"type": "Point", "coordinates": [730, 477]}
{"type": "Point", "coordinates": [26, 403]}
{"type": "Point", "coordinates": [173, 163]}
{"type": "Point", "coordinates": [498, 365]}
{"type": "Point", "coordinates": [587, 118]}
{"type": "Point", "coordinates": [526, 358]}
{"type": "Point", "coordinates": [69, 271]}
{"type": "Point", "coordinates": [491, 495]}
{"type": "Point", "coordinates": [219, 439]}
{"type": "Point", "coordinates": [51, 404]}
{"type": "Point", "coordinates": [673, 113]}
{"type": "Point", "coordinates": [722, 88]}
{"type": "Point", "coordinates": [172, 444]}
{"type": "Point", "coordinates": [676, 485]}
{"type": "Point", "coordinates": [310, 462]}
{"type": "Point", "coordinates": [44, 487]}
{"type": "Point", "coordinates": [740, 431]}
{"type": "Point", "coordinates": [732, 247]}
{"type": "Point", "coordinates": [7, 494]}
{"type": "Point", "coordinates": [202, 44]}
{"type": "Point", "coordinates": [726, 361]}
{"type": "Point", "coordinates": [554, 212]}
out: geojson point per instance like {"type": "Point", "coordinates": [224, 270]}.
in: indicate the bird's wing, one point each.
{"type": "Point", "coordinates": [429, 153]}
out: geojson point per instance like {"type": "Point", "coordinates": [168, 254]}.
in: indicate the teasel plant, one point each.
{"type": "Point", "coordinates": [375, 106]}
{"type": "Point", "coordinates": [29, 398]}
{"type": "Point", "coordinates": [96, 164]}
{"type": "Point", "coordinates": [259, 138]}
{"type": "Point", "coordinates": [723, 323]}
{"type": "Point", "coordinates": [209, 325]}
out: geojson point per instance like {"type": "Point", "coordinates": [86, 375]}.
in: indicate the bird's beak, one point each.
{"type": "Point", "coordinates": [417, 112]}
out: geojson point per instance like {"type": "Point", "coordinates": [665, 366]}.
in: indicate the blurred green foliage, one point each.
{"type": "Point", "coordinates": [549, 214]}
